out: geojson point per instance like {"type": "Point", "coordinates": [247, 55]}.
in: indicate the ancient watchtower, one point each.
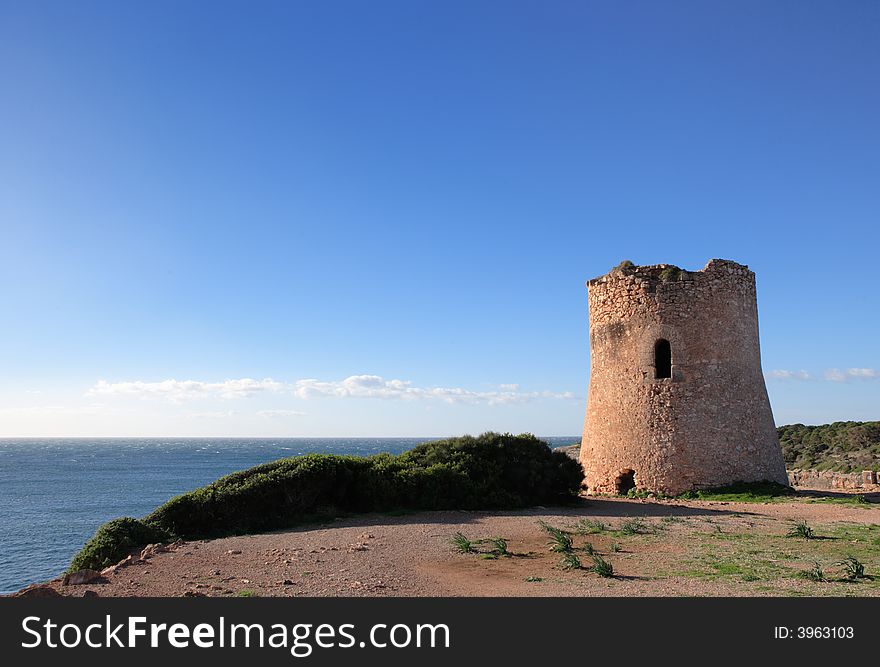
{"type": "Point", "coordinates": [677, 399]}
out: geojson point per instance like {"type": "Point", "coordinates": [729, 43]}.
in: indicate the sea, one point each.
{"type": "Point", "coordinates": [55, 492]}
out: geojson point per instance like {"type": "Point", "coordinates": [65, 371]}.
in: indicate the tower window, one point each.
{"type": "Point", "coordinates": [662, 359]}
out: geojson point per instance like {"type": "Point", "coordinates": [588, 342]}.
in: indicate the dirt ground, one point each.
{"type": "Point", "coordinates": [656, 548]}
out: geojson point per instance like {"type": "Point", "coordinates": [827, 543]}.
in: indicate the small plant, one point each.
{"type": "Point", "coordinates": [462, 544]}
{"type": "Point", "coordinates": [616, 548]}
{"type": "Point", "coordinates": [802, 530]}
{"type": "Point", "coordinates": [534, 579]}
{"type": "Point", "coordinates": [624, 266]}
{"type": "Point", "coordinates": [589, 527]}
{"type": "Point", "coordinates": [247, 594]}
{"type": "Point", "coordinates": [815, 573]}
{"type": "Point", "coordinates": [571, 562]}
{"type": "Point", "coordinates": [853, 568]}
{"type": "Point", "coordinates": [588, 548]}
{"type": "Point", "coordinates": [633, 527]}
{"type": "Point", "coordinates": [602, 567]}
{"type": "Point", "coordinates": [499, 546]}
{"type": "Point", "coordinates": [560, 542]}
{"type": "Point", "coordinates": [671, 274]}
{"type": "Point", "coordinates": [489, 556]}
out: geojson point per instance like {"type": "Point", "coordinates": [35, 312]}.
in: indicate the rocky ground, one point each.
{"type": "Point", "coordinates": [656, 548]}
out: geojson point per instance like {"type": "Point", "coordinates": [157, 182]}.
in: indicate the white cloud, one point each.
{"type": "Point", "coordinates": [212, 414]}
{"type": "Point", "coordinates": [837, 375]}
{"type": "Point", "coordinates": [180, 390]}
{"type": "Point", "coordinates": [781, 374]}
{"type": "Point", "coordinates": [863, 372]}
{"type": "Point", "coordinates": [354, 386]}
{"type": "Point", "coordinates": [54, 410]}
{"type": "Point", "coordinates": [271, 414]}
{"type": "Point", "coordinates": [375, 386]}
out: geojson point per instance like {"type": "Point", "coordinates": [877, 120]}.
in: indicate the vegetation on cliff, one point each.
{"type": "Point", "coordinates": [841, 446]}
{"type": "Point", "coordinates": [492, 471]}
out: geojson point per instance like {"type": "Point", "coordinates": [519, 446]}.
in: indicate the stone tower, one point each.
{"type": "Point", "coordinates": [677, 399]}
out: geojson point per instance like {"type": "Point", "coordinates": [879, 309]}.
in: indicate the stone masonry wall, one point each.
{"type": "Point", "coordinates": [867, 480]}
{"type": "Point", "coordinates": [708, 425]}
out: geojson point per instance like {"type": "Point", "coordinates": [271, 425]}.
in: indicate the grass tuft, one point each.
{"type": "Point", "coordinates": [815, 573]}
{"type": "Point", "coordinates": [589, 527]}
{"type": "Point", "coordinates": [499, 545]}
{"type": "Point", "coordinates": [571, 562]}
{"type": "Point", "coordinates": [853, 568]}
{"type": "Point", "coordinates": [461, 544]}
{"type": "Point", "coordinates": [560, 541]}
{"type": "Point", "coordinates": [634, 527]}
{"type": "Point", "coordinates": [602, 567]}
{"type": "Point", "coordinates": [802, 530]}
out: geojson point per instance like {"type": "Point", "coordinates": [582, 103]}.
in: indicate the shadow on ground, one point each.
{"type": "Point", "coordinates": [872, 497]}
{"type": "Point", "coordinates": [592, 508]}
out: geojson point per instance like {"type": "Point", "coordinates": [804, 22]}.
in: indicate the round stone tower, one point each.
{"type": "Point", "coordinates": [677, 399]}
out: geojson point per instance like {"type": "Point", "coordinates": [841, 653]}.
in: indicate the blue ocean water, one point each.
{"type": "Point", "coordinates": [54, 493]}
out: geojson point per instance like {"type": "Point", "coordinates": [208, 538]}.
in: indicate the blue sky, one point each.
{"type": "Point", "coordinates": [350, 218]}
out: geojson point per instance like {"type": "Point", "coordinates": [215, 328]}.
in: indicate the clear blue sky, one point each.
{"type": "Point", "coordinates": [214, 213]}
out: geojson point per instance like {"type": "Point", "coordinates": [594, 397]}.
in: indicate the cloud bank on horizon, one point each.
{"type": "Point", "coordinates": [354, 386]}
{"type": "Point", "coordinates": [357, 405]}
{"type": "Point", "coordinates": [831, 374]}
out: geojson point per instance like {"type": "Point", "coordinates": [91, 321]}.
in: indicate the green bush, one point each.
{"type": "Point", "coordinates": [672, 274]}
{"type": "Point", "coordinates": [492, 471]}
{"type": "Point", "coordinates": [841, 446]}
{"type": "Point", "coordinates": [114, 541]}
{"type": "Point", "coordinates": [623, 267]}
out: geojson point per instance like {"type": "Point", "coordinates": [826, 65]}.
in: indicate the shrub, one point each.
{"type": "Point", "coordinates": [672, 274]}
{"type": "Point", "coordinates": [114, 541]}
{"type": "Point", "coordinates": [841, 446]}
{"type": "Point", "coordinates": [501, 471]}
{"type": "Point", "coordinates": [492, 471]}
{"type": "Point", "coordinates": [625, 266]}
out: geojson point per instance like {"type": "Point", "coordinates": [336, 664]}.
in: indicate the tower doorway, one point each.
{"type": "Point", "coordinates": [625, 481]}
